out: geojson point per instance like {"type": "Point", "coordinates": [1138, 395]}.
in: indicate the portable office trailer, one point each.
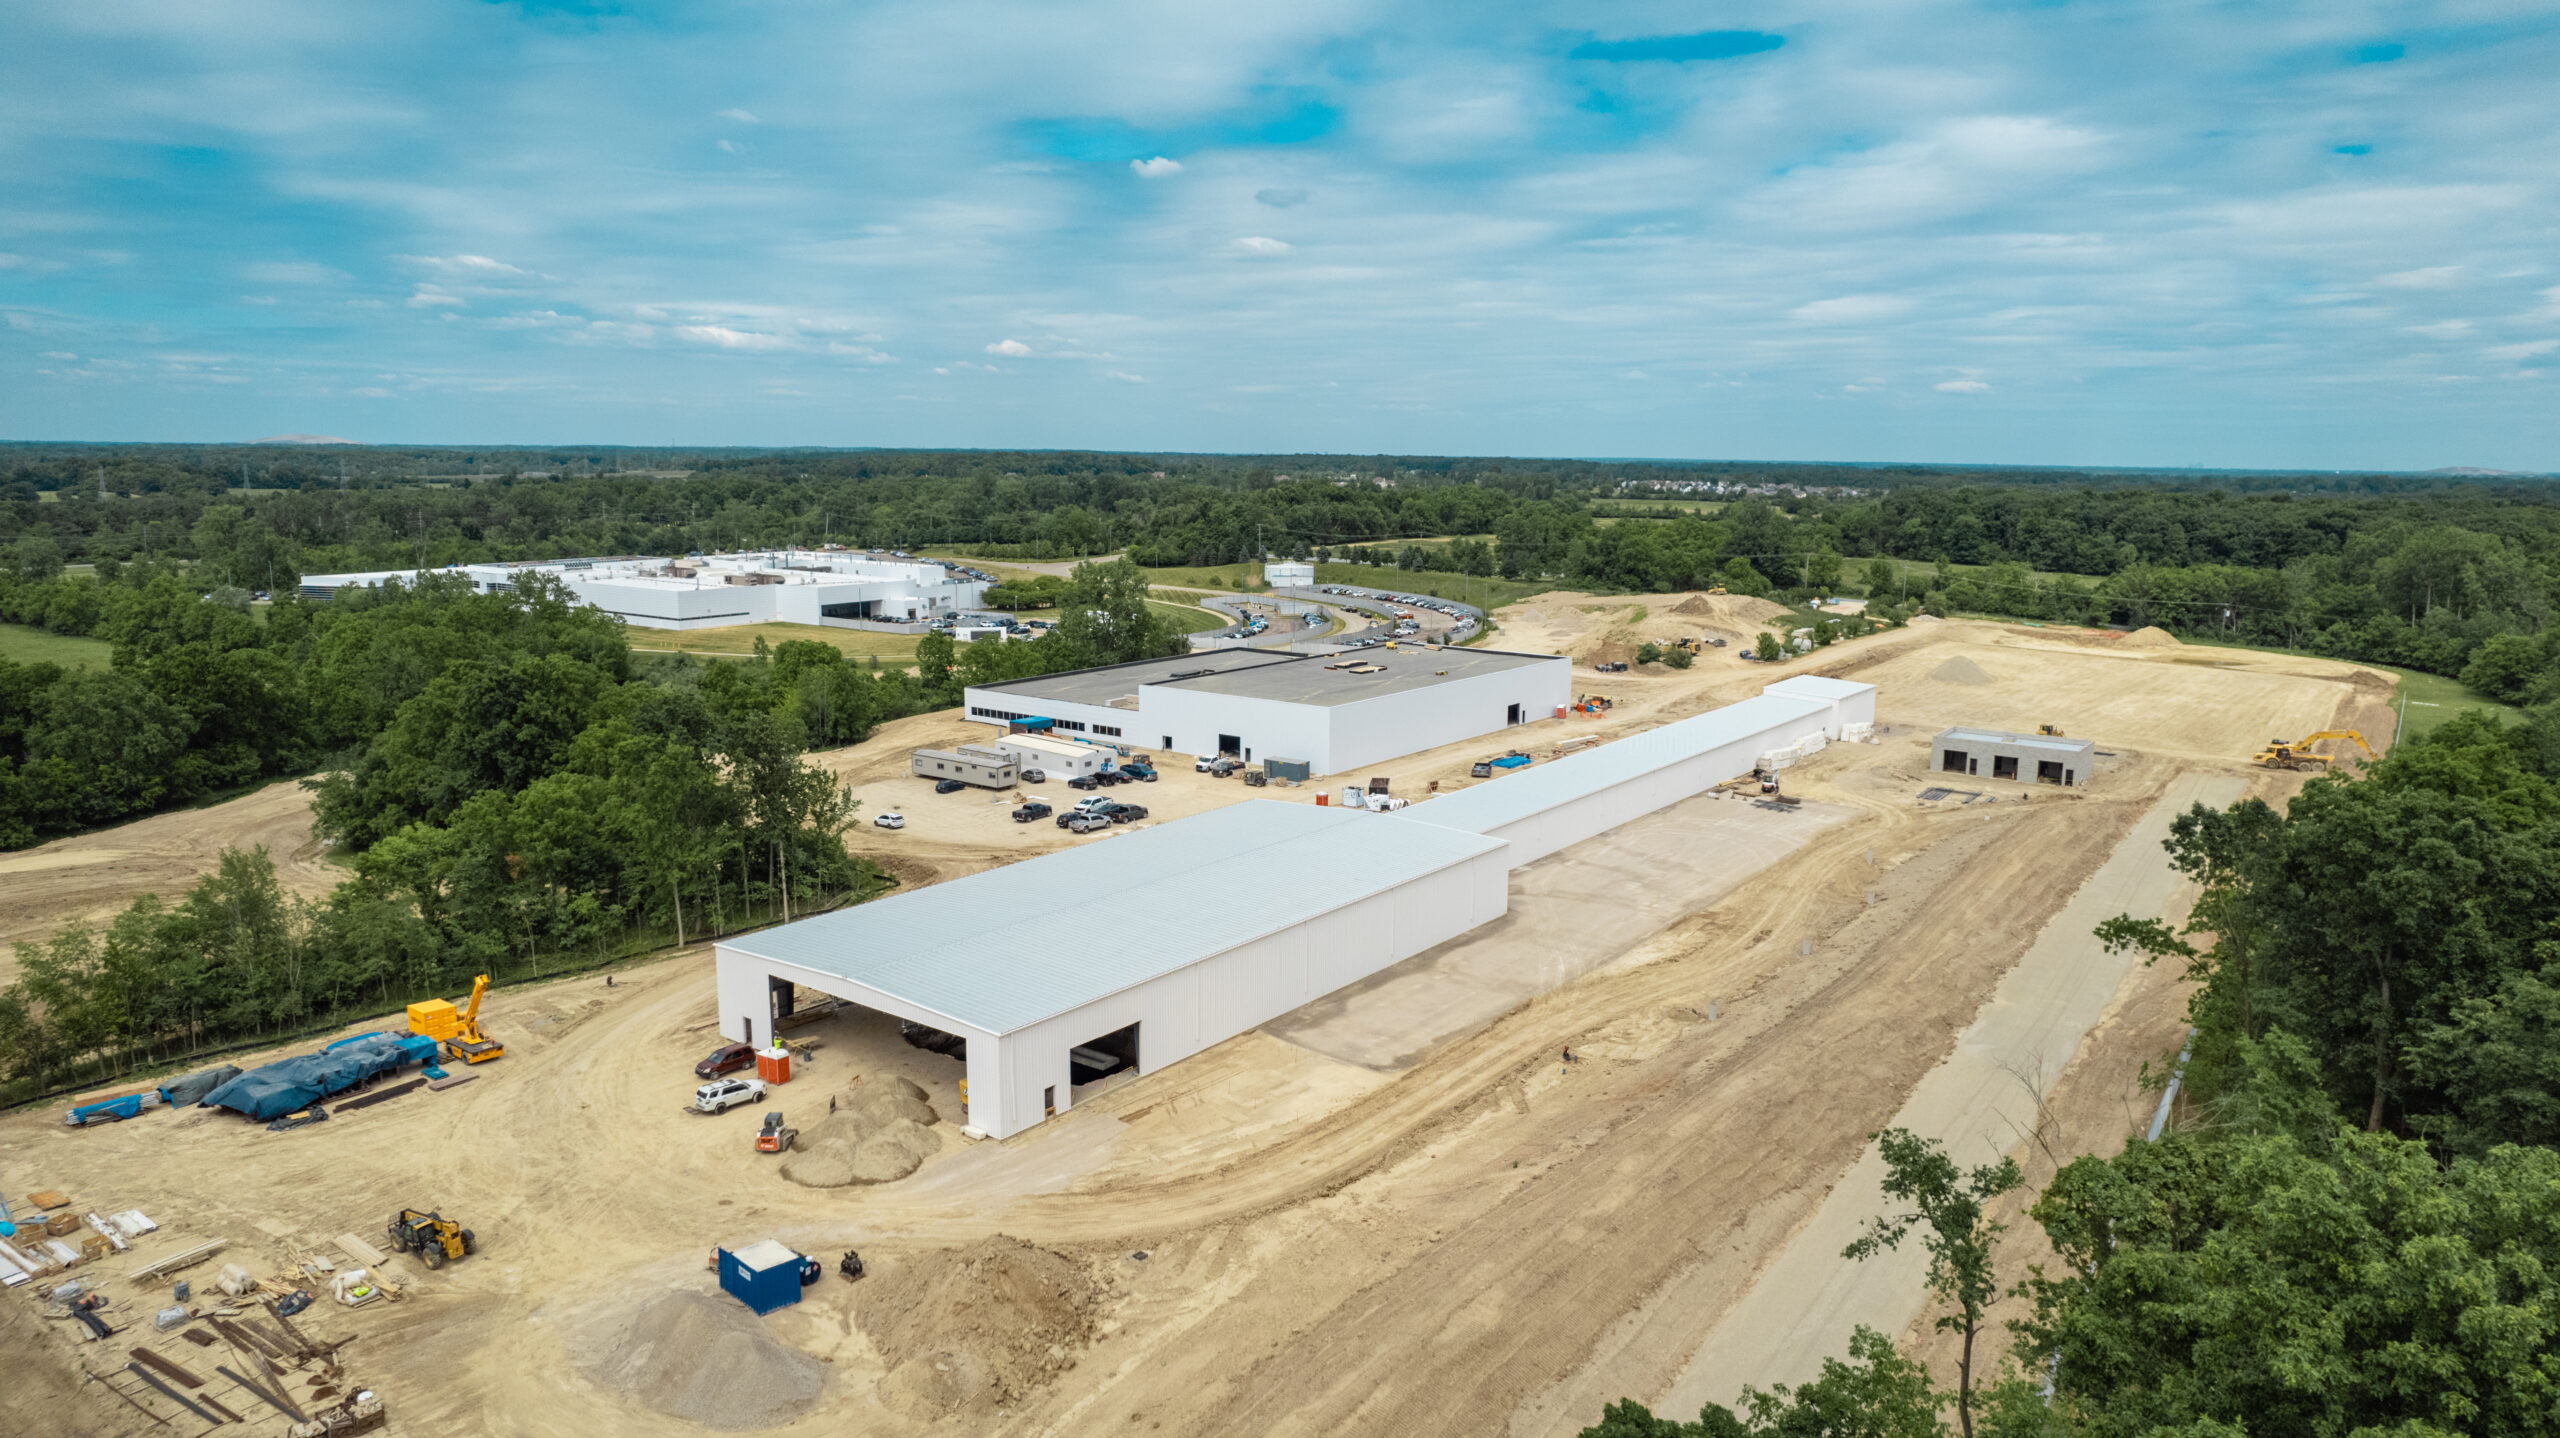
{"type": "Point", "coordinates": [1057, 758]}
{"type": "Point", "coordinates": [984, 768]}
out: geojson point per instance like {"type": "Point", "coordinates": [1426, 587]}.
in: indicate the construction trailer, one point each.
{"type": "Point", "coordinates": [971, 764]}
{"type": "Point", "coordinates": [764, 1275]}
{"type": "Point", "coordinates": [1057, 758]}
{"type": "Point", "coordinates": [2013, 758]}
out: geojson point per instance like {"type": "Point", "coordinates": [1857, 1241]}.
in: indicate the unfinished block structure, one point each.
{"type": "Point", "coordinates": [2014, 758]}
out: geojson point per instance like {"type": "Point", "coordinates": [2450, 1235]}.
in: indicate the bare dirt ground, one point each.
{"type": "Point", "coordinates": [94, 876]}
{"type": "Point", "coordinates": [1484, 1239]}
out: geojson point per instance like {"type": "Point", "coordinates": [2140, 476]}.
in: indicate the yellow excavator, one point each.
{"type": "Point", "coordinates": [2296, 753]}
{"type": "Point", "coordinates": [466, 1042]}
{"type": "Point", "coordinates": [2054, 730]}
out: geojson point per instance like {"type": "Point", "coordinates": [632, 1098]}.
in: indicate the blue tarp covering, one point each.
{"type": "Point", "coordinates": [288, 1084]}
{"type": "Point", "coordinates": [196, 1085]}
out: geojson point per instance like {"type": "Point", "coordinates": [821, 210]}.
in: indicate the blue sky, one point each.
{"type": "Point", "coordinates": [2095, 231]}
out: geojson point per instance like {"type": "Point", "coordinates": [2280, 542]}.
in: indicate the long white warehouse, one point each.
{"type": "Point", "coordinates": [1159, 942]}
{"type": "Point", "coordinates": [1542, 809]}
{"type": "Point", "coordinates": [1155, 944]}
{"type": "Point", "coordinates": [712, 591]}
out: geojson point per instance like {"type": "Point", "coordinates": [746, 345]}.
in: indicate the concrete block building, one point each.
{"type": "Point", "coordinates": [2013, 758]}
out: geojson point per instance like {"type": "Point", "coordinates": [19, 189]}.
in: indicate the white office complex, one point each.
{"type": "Point", "coordinates": [1333, 712]}
{"type": "Point", "coordinates": [711, 591]}
{"type": "Point", "coordinates": [1171, 938]}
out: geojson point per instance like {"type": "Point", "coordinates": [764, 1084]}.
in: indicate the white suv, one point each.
{"type": "Point", "coordinates": [723, 1094]}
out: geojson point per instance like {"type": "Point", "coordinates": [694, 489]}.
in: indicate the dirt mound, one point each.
{"type": "Point", "coordinates": [880, 1131]}
{"type": "Point", "coordinates": [702, 1357]}
{"type": "Point", "coordinates": [2152, 637]}
{"type": "Point", "coordinates": [2365, 681]}
{"type": "Point", "coordinates": [1960, 670]}
{"type": "Point", "coordinates": [979, 1325]}
{"type": "Point", "coordinates": [1696, 606]}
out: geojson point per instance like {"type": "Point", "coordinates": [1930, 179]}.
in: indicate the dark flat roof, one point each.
{"type": "Point", "coordinates": [1325, 679]}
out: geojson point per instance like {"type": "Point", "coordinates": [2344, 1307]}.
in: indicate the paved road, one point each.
{"type": "Point", "coordinates": [1806, 1303]}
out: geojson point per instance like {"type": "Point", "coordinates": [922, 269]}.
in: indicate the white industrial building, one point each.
{"type": "Point", "coordinates": [1336, 712]}
{"type": "Point", "coordinates": [1182, 934]}
{"type": "Point", "coordinates": [1545, 807]}
{"type": "Point", "coordinates": [1163, 941]}
{"type": "Point", "coordinates": [711, 591]}
{"type": "Point", "coordinates": [1289, 574]}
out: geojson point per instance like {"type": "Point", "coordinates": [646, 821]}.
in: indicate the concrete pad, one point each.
{"type": "Point", "coordinates": [1571, 912]}
{"type": "Point", "coordinates": [1978, 1102]}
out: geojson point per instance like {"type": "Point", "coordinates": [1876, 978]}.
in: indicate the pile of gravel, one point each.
{"type": "Point", "coordinates": [702, 1357]}
{"type": "Point", "coordinates": [1960, 670]}
{"type": "Point", "coordinates": [881, 1131]}
{"type": "Point", "coordinates": [977, 1326]}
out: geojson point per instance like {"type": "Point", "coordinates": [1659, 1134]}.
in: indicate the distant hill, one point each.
{"type": "Point", "coordinates": [2467, 471]}
{"type": "Point", "coordinates": [333, 439]}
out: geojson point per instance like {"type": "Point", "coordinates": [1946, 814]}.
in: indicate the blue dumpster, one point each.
{"type": "Point", "coordinates": [764, 1276]}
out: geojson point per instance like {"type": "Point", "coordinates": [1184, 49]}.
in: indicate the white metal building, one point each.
{"type": "Point", "coordinates": [1289, 574]}
{"type": "Point", "coordinates": [1545, 807]}
{"type": "Point", "coordinates": [1167, 940]}
{"type": "Point", "coordinates": [1338, 712]}
{"type": "Point", "coordinates": [798, 586]}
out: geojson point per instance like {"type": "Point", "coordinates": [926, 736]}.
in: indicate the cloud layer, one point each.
{"type": "Point", "coordinates": [2290, 234]}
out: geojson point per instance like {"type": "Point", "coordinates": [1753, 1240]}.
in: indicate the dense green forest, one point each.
{"type": "Point", "coordinates": [2355, 1227]}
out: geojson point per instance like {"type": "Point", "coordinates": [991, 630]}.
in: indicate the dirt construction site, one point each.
{"type": "Point", "coordinates": [1602, 1147]}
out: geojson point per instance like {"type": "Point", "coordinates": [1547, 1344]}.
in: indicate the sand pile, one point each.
{"type": "Point", "coordinates": [1960, 670]}
{"type": "Point", "coordinates": [1696, 606]}
{"type": "Point", "coordinates": [2152, 637]}
{"type": "Point", "coordinates": [702, 1357]}
{"type": "Point", "coordinates": [980, 1325]}
{"type": "Point", "coordinates": [881, 1130]}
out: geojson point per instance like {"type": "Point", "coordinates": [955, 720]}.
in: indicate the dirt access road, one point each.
{"type": "Point", "coordinates": [1483, 1239]}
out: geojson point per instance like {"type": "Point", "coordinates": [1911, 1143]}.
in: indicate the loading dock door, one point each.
{"type": "Point", "coordinates": [2004, 766]}
{"type": "Point", "coordinates": [1514, 716]}
{"type": "Point", "coordinates": [2048, 772]}
{"type": "Point", "coordinates": [1954, 761]}
{"type": "Point", "coordinates": [1230, 744]}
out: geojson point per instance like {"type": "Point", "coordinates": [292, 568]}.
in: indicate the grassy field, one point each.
{"type": "Point", "coordinates": [2431, 699]}
{"type": "Point", "coordinates": [741, 640]}
{"type": "Point", "coordinates": [1484, 593]}
{"type": "Point", "coordinates": [1192, 618]}
{"type": "Point", "coordinates": [38, 646]}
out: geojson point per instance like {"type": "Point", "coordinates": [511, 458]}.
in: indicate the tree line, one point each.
{"type": "Point", "coordinates": [2354, 1228]}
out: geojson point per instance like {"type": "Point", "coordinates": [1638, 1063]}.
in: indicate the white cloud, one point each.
{"type": "Point", "coordinates": [864, 353]}
{"type": "Point", "coordinates": [1851, 310]}
{"type": "Point", "coordinates": [372, 392]}
{"type": "Point", "coordinates": [291, 272]}
{"type": "Point", "coordinates": [1963, 386]}
{"type": "Point", "coordinates": [728, 339]}
{"type": "Point", "coordinates": [1155, 169]}
{"type": "Point", "coordinates": [1124, 377]}
{"type": "Point", "coordinates": [2437, 277]}
{"type": "Point", "coordinates": [1015, 348]}
{"type": "Point", "coordinates": [729, 147]}
{"type": "Point", "coordinates": [1280, 199]}
{"type": "Point", "coordinates": [428, 296]}
{"type": "Point", "coordinates": [479, 265]}
{"type": "Point", "coordinates": [2442, 329]}
{"type": "Point", "coordinates": [2527, 350]}
{"type": "Point", "coordinates": [1261, 247]}
{"type": "Point", "coordinates": [743, 117]}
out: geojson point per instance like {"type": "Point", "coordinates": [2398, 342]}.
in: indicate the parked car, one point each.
{"type": "Point", "coordinates": [1139, 770]}
{"type": "Point", "coordinates": [727, 1094]}
{"type": "Point", "coordinates": [1035, 776]}
{"type": "Point", "coordinates": [949, 786]}
{"type": "Point", "coordinates": [1096, 805]}
{"type": "Point", "coordinates": [1084, 781]}
{"type": "Point", "coordinates": [890, 820]}
{"type": "Point", "coordinates": [1087, 823]}
{"type": "Point", "coordinates": [1028, 812]}
{"type": "Point", "coordinates": [727, 1059]}
{"type": "Point", "coordinates": [1128, 813]}
{"type": "Point", "coordinates": [1201, 764]}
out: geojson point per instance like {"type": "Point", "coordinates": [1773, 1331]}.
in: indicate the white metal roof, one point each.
{"type": "Point", "coordinates": [2058, 743]}
{"type": "Point", "coordinates": [1493, 803]}
{"type": "Point", "coordinates": [1000, 950]}
{"type": "Point", "coordinates": [1818, 686]}
{"type": "Point", "coordinates": [763, 1254]}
